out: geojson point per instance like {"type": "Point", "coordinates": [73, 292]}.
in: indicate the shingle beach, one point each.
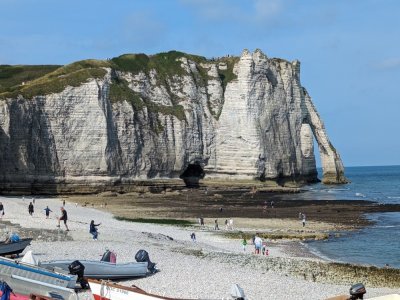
{"type": "Point", "coordinates": [204, 269]}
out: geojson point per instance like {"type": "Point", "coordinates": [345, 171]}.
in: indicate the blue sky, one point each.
{"type": "Point", "coordinates": [349, 49]}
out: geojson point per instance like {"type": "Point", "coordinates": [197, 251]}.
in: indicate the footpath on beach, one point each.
{"type": "Point", "coordinates": [201, 269]}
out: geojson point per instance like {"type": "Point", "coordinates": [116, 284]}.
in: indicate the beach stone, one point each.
{"type": "Point", "coordinates": [204, 269]}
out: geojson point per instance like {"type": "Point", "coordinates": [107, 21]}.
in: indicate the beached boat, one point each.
{"type": "Point", "coordinates": [15, 247]}
{"type": "Point", "coordinates": [386, 297]}
{"type": "Point", "coordinates": [102, 269]}
{"type": "Point", "coordinates": [358, 290]}
{"type": "Point", "coordinates": [26, 279]}
{"type": "Point", "coordinates": [107, 268]}
{"type": "Point", "coordinates": [105, 290]}
{"type": "Point", "coordinates": [6, 292]}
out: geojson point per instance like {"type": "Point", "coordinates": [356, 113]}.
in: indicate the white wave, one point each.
{"type": "Point", "coordinates": [393, 197]}
{"type": "Point", "coordinates": [360, 195]}
{"type": "Point", "coordinates": [337, 190]}
{"type": "Point", "coordinates": [320, 254]}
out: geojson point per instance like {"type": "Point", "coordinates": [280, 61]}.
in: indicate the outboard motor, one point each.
{"type": "Point", "coordinates": [76, 268]}
{"type": "Point", "coordinates": [109, 256]}
{"type": "Point", "coordinates": [143, 256]}
{"type": "Point", "coordinates": [357, 291]}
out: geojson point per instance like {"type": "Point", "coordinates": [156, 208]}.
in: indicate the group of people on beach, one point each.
{"type": "Point", "coordinates": [63, 218]}
{"type": "Point", "coordinates": [260, 247]}
{"type": "Point", "coordinates": [229, 224]}
{"type": "Point", "coordinates": [47, 210]}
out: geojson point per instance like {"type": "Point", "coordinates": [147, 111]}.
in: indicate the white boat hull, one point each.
{"type": "Point", "coordinates": [28, 279]}
{"type": "Point", "coordinates": [103, 290]}
{"type": "Point", "coordinates": [102, 269]}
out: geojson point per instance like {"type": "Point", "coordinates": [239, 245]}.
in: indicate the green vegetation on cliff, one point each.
{"type": "Point", "coordinates": [12, 76]}
{"type": "Point", "coordinates": [52, 79]}
{"type": "Point", "coordinates": [227, 75]}
{"type": "Point", "coordinates": [120, 91]}
{"type": "Point", "coordinates": [31, 81]}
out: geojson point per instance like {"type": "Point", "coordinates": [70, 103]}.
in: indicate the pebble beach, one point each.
{"type": "Point", "coordinates": [204, 269]}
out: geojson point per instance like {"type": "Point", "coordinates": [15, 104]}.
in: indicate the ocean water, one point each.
{"type": "Point", "coordinates": [378, 244]}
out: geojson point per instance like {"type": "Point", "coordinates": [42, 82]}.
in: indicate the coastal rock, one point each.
{"type": "Point", "coordinates": [244, 117]}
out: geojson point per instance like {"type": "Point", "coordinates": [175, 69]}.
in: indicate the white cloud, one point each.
{"type": "Point", "coordinates": [143, 29]}
{"type": "Point", "coordinates": [267, 9]}
{"type": "Point", "coordinates": [388, 64]}
{"type": "Point", "coordinates": [258, 11]}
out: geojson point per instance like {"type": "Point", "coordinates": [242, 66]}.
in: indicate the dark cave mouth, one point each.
{"type": "Point", "coordinates": [192, 175]}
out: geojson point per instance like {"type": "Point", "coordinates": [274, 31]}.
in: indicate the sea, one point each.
{"type": "Point", "coordinates": [378, 244]}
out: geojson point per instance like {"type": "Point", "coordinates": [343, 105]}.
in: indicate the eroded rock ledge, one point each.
{"type": "Point", "coordinates": [171, 115]}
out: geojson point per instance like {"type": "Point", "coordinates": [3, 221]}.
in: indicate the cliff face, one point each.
{"type": "Point", "coordinates": [235, 118]}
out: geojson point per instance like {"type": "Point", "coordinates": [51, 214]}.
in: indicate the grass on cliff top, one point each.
{"type": "Point", "coordinates": [163, 63]}
{"type": "Point", "coordinates": [11, 76]}
{"type": "Point", "coordinates": [50, 79]}
{"type": "Point", "coordinates": [30, 81]}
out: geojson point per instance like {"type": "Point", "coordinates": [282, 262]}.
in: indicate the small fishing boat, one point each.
{"type": "Point", "coordinates": [102, 269]}
{"type": "Point", "coordinates": [358, 290]}
{"type": "Point", "coordinates": [14, 247]}
{"type": "Point", "coordinates": [6, 292]}
{"type": "Point", "coordinates": [106, 290]}
{"type": "Point", "coordinates": [107, 268]}
{"type": "Point", "coordinates": [26, 279]}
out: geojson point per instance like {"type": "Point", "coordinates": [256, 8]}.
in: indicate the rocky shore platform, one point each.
{"type": "Point", "coordinates": [205, 269]}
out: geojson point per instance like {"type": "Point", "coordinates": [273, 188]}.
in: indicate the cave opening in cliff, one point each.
{"type": "Point", "coordinates": [192, 175]}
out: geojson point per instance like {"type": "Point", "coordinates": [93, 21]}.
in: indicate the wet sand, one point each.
{"type": "Point", "coordinates": [242, 205]}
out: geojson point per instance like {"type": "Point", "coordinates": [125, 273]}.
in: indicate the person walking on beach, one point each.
{"type": "Point", "coordinates": [257, 244]}
{"type": "Point", "coordinates": [93, 229]}
{"type": "Point", "coordinates": [216, 224]}
{"type": "Point", "coordinates": [264, 248]}
{"type": "Point", "coordinates": [64, 217]}
{"type": "Point", "coordinates": [226, 224]}
{"type": "Point", "coordinates": [304, 220]}
{"type": "Point", "coordinates": [244, 244]}
{"type": "Point", "coordinates": [193, 237]}
{"type": "Point", "coordinates": [1, 210]}
{"type": "Point", "coordinates": [63, 202]}
{"type": "Point", "coordinates": [47, 211]}
{"type": "Point", "coordinates": [30, 208]}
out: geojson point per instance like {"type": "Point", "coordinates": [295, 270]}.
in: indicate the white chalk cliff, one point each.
{"type": "Point", "coordinates": [257, 124]}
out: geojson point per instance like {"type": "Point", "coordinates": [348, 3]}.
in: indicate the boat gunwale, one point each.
{"type": "Point", "coordinates": [132, 288]}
